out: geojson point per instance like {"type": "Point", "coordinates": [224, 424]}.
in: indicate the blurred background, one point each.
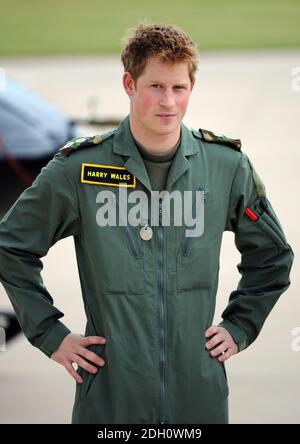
{"type": "Point", "coordinates": [60, 76]}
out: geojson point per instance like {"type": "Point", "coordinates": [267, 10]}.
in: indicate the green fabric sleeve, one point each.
{"type": "Point", "coordinates": [266, 258]}
{"type": "Point", "coordinates": [43, 214]}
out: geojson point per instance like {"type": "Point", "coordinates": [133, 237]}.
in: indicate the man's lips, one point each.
{"type": "Point", "coordinates": [166, 115]}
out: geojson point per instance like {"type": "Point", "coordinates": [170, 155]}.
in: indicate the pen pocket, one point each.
{"type": "Point", "coordinates": [268, 222]}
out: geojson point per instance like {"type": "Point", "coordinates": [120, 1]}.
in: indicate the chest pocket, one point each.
{"type": "Point", "coordinates": [197, 260]}
{"type": "Point", "coordinates": [122, 270]}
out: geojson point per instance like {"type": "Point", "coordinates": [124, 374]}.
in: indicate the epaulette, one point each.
{"type": "Point", "coordinates": [80, 142]}
{"type": "Point", "coordinates": [209, 136]}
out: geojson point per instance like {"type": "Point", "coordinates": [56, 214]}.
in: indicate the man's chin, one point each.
{"type": "Point", "coordinates": [166, 129]}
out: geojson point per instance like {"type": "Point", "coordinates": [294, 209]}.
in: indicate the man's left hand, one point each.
{"type": "Point", "coordinates": [221, 342]}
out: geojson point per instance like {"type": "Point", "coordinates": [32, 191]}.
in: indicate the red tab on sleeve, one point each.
{"type": "Point", "coordinates": [251, 214]}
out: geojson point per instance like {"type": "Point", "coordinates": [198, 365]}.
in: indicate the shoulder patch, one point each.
{"type": "Point", "coordinates": [258, 183]}
{"type": "Point", "coordinates": [79, 142]}
{"type": "Point", "coordinates": [209, 136]}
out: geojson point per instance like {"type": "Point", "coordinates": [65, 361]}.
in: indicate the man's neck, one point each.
{"type": "Point", "coordinates": [154, 143]}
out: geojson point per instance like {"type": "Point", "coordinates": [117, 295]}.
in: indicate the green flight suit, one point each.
{"type": "Point", "coordinates": [151, 299]}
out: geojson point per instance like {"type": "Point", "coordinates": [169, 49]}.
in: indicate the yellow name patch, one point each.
{"type": "Point", "coordinates": [113, 176]}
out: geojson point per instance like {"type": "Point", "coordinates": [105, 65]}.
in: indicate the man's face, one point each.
{"type": "Point", "coordinates": [159, 98]}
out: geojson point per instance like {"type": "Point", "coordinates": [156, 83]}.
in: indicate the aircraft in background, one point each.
{"type": "Point", "coordinates": [31, 132]}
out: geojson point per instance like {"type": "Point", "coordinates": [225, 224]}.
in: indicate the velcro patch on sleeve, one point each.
{"type": "Point", "coordinates": [110, 175]}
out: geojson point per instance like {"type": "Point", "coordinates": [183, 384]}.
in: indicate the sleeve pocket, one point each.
{"type": "Point", "coordinates": [268, 222]}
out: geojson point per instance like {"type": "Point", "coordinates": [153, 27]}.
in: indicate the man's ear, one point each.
{"type": "Point", "coordinates": [128, 83]}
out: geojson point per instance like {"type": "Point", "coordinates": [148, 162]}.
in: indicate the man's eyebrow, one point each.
{"type": "Point", "coordinates": [162, 83]}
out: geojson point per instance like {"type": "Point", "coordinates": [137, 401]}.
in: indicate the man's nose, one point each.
{"type": "Point", "coordinates": [167, 99]}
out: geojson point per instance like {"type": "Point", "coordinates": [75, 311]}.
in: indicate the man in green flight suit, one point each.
{"type": "Point", "coordinates": [150, 354]}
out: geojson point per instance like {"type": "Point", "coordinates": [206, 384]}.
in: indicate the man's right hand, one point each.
{"type": "Point", "coordinates": [73, 348]}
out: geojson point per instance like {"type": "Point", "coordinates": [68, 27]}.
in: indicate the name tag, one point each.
{"type": "Point", "coordinates": [113, 176]}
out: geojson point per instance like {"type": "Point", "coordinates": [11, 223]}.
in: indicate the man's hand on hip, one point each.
{"type": "Point", "coordinates": [220, 342]}
{"type": "Point", "coordinates": [74, 349]}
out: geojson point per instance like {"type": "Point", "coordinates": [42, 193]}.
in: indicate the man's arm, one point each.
{"type": "Point", "coordinates": [43, 214]}
{"type": "Point", "coordinates": [266, 257]}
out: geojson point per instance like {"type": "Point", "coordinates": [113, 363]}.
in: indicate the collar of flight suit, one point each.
{"type": "Point", "coordinates": [123, 144]}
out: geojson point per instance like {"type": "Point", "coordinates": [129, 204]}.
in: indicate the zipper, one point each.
{"type": "Point", "coordinates": [162, 354]}
{"type": "Point", "coordinates": [96, 348]}
{"type": "Point", "coordinates": [185, 244]}
{"type": "Point", "coordinates": [186, 240]}
{"type": "Point", "coordinates": [271, 219]}
{"type": "Point", "coordinates": [134, 246]}
{"type": "Point", "coordinates": [268, 223]}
